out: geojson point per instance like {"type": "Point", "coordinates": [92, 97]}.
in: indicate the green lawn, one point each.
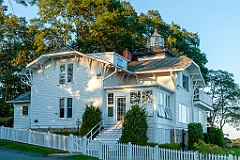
{"type": "Point", "coordinates": [41, 150]}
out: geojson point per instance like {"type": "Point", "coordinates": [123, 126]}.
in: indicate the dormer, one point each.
{"type": "Point", "coordinates": [112, 57]}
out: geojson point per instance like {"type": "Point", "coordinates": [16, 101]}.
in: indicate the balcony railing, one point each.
{"type": "Point", "coordinates": [203, 97]}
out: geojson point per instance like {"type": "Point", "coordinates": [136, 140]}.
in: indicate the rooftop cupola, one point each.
{"type": "Point", "coordinates": [156, 40]}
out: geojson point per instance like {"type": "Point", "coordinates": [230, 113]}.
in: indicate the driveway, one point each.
{"type": "Point", "coordinates": [10, 154]}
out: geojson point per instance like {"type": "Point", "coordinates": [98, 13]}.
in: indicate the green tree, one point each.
{"type": "Point", "coordinates": [15, 53]}
{"type": "Point", "coordinates": [225, 94]}
{"type": "Point", "coordinates": [90, 118]}
{"type": "Point", "coordinates": [215, 136]}
{"type": "Point", "coordinates": [135, 126]}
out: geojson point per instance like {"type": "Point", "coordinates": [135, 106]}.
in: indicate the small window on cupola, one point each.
{"type": "Point", "coordinates": [156, 40]}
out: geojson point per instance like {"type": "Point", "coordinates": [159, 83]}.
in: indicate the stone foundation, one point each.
{"type": "Point", "coordinates": [52, 130]}
{"type": "Point", "coordinates": [179, 136]}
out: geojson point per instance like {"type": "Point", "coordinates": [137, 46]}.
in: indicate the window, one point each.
{"type": "Point", "coordinates": [25, 110]}
{"type": "Point", "coordinates": [135, 97]}
{"type": "Point", "coordinates": [160, 104]}
{"type": "Point", "coordinates": [185, 82]}
{"type": "Point", "coordinates": [120, 62]}
{"type": "Point", "coordinates": [70, 73]}
{"type": "Point", "coordinates": [62, 74]}
{"type": "Point", "coordinates": [110, 104]}
{"type": "Point", "coordinates": [183, 113]}
{"type": "Point", "coordinates": [143, 98]}
{"type": "Point", "coordinates": [66, 71]}
{"type": "Point", "coordinates": [61, 107]}
{"type": "Point", "coordinates": [147, 96]}
{"type": "Point", "coordinates": [65, 110]}
{"type": "Point", "coordinates": [201, 115]}
{"type": "Point", "coordinates": [69, 108]}
{"type": "Point", "coordinates": [167, 107]}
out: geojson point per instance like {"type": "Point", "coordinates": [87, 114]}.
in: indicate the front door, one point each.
{"type": "Point", "coordinates": [121, 107]}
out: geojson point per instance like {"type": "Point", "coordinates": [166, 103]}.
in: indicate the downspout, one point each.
{"type": "Point", "coordinates": [192, 96]}
{"type": "Point", "coordinates": [174, 104]}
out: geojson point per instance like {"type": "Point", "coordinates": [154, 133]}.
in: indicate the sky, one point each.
{"type": "Point", "coordinates": [217, 23]}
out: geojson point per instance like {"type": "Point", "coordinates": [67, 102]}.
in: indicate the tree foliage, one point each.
{"type": "Point", "coordinates": [225, 94]}
{"type": "Point", "coordinates": [88, 26]}
{"type": "Point", "coordinates": [90, 118]}
{"type": "Point", "coordinates": [215, 136]}
{"type": "Point", "coordinates": [135, 126]}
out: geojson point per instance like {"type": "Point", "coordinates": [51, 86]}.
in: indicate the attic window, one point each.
{"type": "Point", "coordinates": [66, 73]}
{"type": "Point", "coordinates": [120, 62]}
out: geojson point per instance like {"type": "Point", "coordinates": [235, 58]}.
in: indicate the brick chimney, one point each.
{"type": "Point", "coordinates": [127, 54]}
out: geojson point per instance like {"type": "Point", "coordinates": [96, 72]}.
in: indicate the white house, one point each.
{"type": "Point", "coordinates": [64, 81]}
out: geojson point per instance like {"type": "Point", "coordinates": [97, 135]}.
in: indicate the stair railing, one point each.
{"type": "Point", "coordinates": [95, 130]}
{"type": "Point", "coordinates": [110, 137]}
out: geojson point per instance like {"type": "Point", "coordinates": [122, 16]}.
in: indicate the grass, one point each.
{"type": "Point", "coordinates": [40, 150]}
{"type": "Point", "coordinates": [236, 151]}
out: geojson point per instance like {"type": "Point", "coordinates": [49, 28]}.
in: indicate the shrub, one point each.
{"type": "Point", "coordinates": [6, 110]}
{"type": "Point", "coordinates": [175, 146]}
{"type": "Point", "coordinates": [6, 121]}
{"type": "Point", "coordinates": [195, 132]}
{"type": "Point", "coordinates": [90, 118]}
{"type": "Point", "coordinates": [135, 126]}
{"type": "Point", "coordinates": [215, 136]}
{"type": "Point", "coordinates": [204, 148]}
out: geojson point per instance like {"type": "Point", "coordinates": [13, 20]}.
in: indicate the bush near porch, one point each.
{"type": "Point", "coordinates": [90, 118]}
{"type": "Point", "coordinates": [135, 126]}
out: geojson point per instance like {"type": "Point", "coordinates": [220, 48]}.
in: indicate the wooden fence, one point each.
{"type": "Point", "coordinates": [101, 150]}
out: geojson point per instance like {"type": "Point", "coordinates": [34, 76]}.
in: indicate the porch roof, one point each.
{"type": "Point", "coordinates": [171, 64]}
{"type": "Point", "coordinates": [23, 98]}
{"type": "Point", "coordinates": [139, 86]}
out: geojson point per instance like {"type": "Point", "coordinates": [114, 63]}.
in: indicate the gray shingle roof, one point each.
{"type": "Point", "coordinates": [172, 63]}
{"type": "Point", "coordinates": [25, 97]}
{"type": "Point", "coordinates": [63, 49]}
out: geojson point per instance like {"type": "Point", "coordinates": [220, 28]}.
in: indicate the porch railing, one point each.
{"type": "Point", "coordinates": [203, 97]}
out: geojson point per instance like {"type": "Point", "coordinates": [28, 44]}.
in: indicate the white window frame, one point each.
{"type": "Point", "coordinates": [65, 108]}
{"type": "Point", "coordinates": [160, 97]}
{"type": "Point", "coordinates": [163, 103]}
{"type": "Point", "coordinates": [66, 73]}
{"type": "Point", "coordinates": [202, 117]}
{"type": "Point", "coordinates": [183, 113]}
{"type": "Point", "coordinates": [110, 105]}
{"type": "Point", "coordinates": [168, 112]}
{"type": "Point", "coordinates": [184, 81]}
{"type": "Point", "coordinates": [145, 103]}
{"type": "Point", "coordinates": [23, 113]}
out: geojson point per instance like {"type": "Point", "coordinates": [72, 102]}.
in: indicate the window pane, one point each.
{"type": "Point", "coordinates": [62, 74]}
{"type": "Point", "coordinates": [110, 98]}
{"type": "Point", "coordinates": [147, 97]}
{"type": "Point", "coordinates": [61, 108]}
{"type": "Point", "coordinates": [110, 111]}
{"type": "Point", "coordinates": [135, 97]}
{"type": "Point", "coordinates": [70, 73]}
{"type": "Point", "coordinates": [25, 110]}
{"type": "Point", "coordinates": [69, 108]}
{"type": "Point", "coordinates": [185, 82]}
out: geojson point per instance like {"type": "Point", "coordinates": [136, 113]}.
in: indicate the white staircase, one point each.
{"type": "Point", "coordinates": [110, 133]}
